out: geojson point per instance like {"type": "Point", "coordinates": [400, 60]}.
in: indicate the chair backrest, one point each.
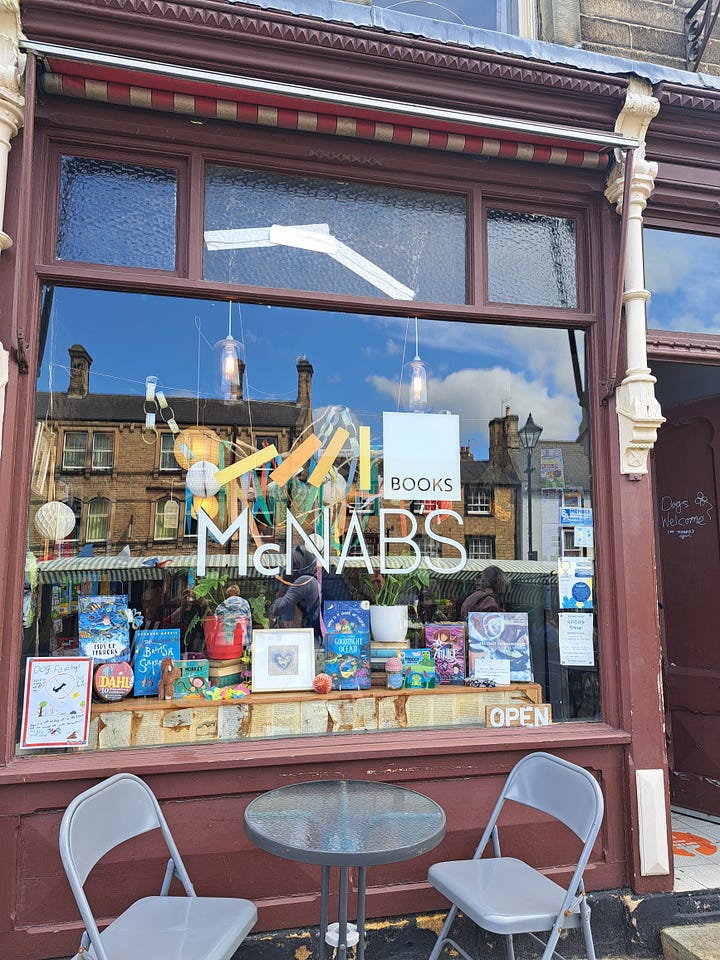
{"type": "Point", "coordinates": [103, 817]}
{"type": "Point", "coordinates": [559, 788]}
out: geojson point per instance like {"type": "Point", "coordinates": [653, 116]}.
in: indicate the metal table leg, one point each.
{"type": "Point", "coordinates": [343, 915]}
{"type": "Point", "coordinates": [324, 897]}
{"type": "Point", "coordinates": [361, 914]}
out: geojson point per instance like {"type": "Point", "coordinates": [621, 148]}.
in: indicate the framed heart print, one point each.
{"type": "Point", "coordinates": [283, 660]}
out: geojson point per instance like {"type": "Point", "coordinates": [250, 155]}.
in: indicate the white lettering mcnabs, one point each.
{"type": "Point", "coordinates": [295, 533]}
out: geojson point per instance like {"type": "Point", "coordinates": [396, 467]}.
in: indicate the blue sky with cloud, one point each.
{"type": "Point", "coordinates": [682, 272]}
{"type": "Point", "coordinates": [474, 370]}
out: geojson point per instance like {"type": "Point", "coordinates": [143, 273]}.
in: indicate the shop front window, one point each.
{"type": "Point", "coordinates": [682, 273]}
{"type": "Point", "coordinates": [317, 471]}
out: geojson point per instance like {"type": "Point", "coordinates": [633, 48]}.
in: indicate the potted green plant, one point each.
{"type": "Point", "coordinates": [211, 590]}
{"type": "Point", "coordinates": [388, 618]}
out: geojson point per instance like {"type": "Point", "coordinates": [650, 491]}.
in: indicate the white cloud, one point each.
{"type": "Point", "coordinates": [477, 396]}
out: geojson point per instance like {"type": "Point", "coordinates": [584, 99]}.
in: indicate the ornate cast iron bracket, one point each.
{"type": "Point", "coordinates": [698, 25]}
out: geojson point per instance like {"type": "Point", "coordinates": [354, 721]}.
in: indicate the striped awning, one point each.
{"type": "Point", "coordinates": [79, 569]}
{"type": "Point", "coordinates": [206, 95]}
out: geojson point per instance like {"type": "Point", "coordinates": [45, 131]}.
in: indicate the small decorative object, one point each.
{"type": "Point", "coordinates": [55, 520]}
{"type": "Point", "coordinates": [196, 444]}
{"type": "Point", "coordinates": [209, 504]}
{"type": "Point", "coordinates": [479, 682]}
{"type": "Point", "coordinates": [283, 659]}
{"type": "Point", "coordinates": [201, 480]}
{"type": "Point", "coordinates": [113, 681]}
{"type": "Point", "coordinates": [394, 673]}
{"type": "Point", "coordinates": [134, 618]}
{"type": "Point", "coordinates": [322, 683]}
{"type": "Point", "coordinates": [169, 673]}
{"type": "Point", "coordinates": [236, 692]}
{"type": "Point", "coordinates": [334, 490]}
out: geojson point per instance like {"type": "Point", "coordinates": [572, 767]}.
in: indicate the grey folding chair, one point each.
{"type": "Point", "coordinates": [158, 928]}
{"type": "Point", "coordinates": [504, 895]}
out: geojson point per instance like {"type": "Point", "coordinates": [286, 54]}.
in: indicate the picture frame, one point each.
{"type": "Point", "coordinates": [283, 660]}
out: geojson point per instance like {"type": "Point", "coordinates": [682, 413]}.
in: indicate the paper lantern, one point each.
{"type": "Point", "coordinates": [201, 480]}
{"type": "Point", "coordinates": [195, 444]}
{"type": "Point", "coordinates": [334, 490]}
{"type": "Point", "coordinates": [55, 520]}
{"type": "Point", "coordinates": [209, 504]}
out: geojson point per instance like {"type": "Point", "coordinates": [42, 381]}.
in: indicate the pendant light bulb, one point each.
{"type": "Point", "coordinates": [231, 364]}
{"type": "Point", "coordinates": [418, 379]}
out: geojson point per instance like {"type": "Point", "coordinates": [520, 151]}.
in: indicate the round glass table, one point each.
{"type": "Point", "coordinates": [344, 823]}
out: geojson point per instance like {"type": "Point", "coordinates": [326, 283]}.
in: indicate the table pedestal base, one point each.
{"type": "Point", "coordinates": [342, 934]}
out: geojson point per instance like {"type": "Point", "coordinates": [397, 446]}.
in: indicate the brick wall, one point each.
{"type": "Point", "coordinates": [649, 30]}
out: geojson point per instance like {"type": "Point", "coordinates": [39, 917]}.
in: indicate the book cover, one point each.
{"type": "Point", "coordinates": [193, 678]}
{"type": "Point", "coordinates": [501, 636]}
{"type": "Point", "coordinates": [446, 642]}
{"type": "Point", "coordinates": [104, 628]}
{"type": "Point", "coordinates": [346, 616]}
{"type": "Point", "coordinates": [418, 668]}
{"type": "Point", "coordinates": [151, 647]}
{"type": "Point", "coordinates": [347, 660]}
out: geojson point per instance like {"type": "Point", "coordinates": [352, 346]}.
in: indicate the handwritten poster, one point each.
{"type": "Point", "coordinates": [56, 705]}
{"type": "Point", "coordinates": [575, 631]}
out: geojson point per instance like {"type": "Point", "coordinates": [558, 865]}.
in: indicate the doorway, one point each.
{"type": "Point", "coordinates": [687, 492]}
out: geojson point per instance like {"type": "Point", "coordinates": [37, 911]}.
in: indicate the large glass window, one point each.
{"type": "Point", "coordinates": [422, 499]}
{"type": "Point", "coordinates": [682, 273]}
{"type": "Point", "coordinates": [268, 230]}
{"type": "Point", "coordinates": [116, 213]}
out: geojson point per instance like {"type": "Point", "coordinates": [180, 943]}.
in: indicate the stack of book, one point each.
{"type": "Point", "coordinates": [226, 673]}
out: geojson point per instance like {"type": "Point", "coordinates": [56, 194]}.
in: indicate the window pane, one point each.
{"type": "Point", "coordinates": [490, 14]}
{"type": "Point", "coordinates": [116, 213]}
{"type": "Point", "coordinates": [167, 452]}
{"type": "Point", "coordinates": [531, 259]}
{"type": "Point", "coordinates": [74, 450]}
{"type": "Point", "coordinates": [267, 230]}
{"type": "Point", "coordinates": [98, 524]}
{"type": "Point", "coordinates": [103, 448]}
{"type": "Point", "coordinates": [166, 519]}
{"type": "Point", "coordinates": [682, 273]}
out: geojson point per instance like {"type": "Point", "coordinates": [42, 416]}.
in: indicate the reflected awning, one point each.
{"type": "Point", "coordinates": [252, 100]}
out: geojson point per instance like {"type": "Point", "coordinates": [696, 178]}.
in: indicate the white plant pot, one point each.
{"type": "Point", "coordinates": [389, 624]}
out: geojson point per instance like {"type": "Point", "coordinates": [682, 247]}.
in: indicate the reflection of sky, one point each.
{"type": "Point", "coordinates": [683, 277]}
{"type": "Point", "coordinates": [474, 370]}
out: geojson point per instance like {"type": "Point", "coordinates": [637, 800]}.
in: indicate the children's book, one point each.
{"type": "Point", "coordinates": [347, 660]}
{"type": "Point", "coordinates": [446, 641]}
{"type": "Point", "coordinates": [418, 668]}
{"type": "Point", "coordinates": [500, 636]}
{"type": "Point", "coordinates": [193, 678]}
{"type": "Point", "coordinates": [346, 616]}
{"type": "Point", "coordinates": [104, 628]}
{"type": "Point", "coordinates": [151, 647]}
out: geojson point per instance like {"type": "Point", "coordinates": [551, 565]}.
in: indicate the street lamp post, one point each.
{"type": "Point", "coordinates": [529, 436]}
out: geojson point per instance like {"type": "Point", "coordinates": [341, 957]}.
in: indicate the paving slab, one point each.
{"type": "Point", "coordinates": [696, 941]}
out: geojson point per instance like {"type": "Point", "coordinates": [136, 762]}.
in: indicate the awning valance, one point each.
{"type": "Point", "coordinates": [251, 100]}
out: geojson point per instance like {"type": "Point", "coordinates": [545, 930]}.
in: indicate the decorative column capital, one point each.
{"type": "Point", "coordinates": [12, 101]}
{"type": "Point", "coordinates": [633, 121]}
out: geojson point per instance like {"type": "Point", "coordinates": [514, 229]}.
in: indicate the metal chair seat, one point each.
{"type": "Point", "coordinates": [179, 928]}
{"type": "Point", "coordinates": [486, 891]}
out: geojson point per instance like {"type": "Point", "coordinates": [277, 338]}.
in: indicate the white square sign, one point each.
{"type": "Point", "coordinates": [421, 456]}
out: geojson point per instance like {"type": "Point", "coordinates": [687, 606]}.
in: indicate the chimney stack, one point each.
{"type": "Point", "coordinates": [503, 437]}
{"type": "Point", "coordinates": [305, 374]}
{"type": "Point", "coordinates": [80, 363]}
